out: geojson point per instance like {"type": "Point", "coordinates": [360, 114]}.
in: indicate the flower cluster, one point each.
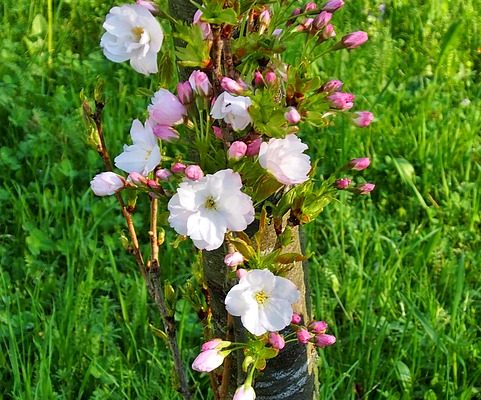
{"type": "Point", "coordinates": [227, 148]}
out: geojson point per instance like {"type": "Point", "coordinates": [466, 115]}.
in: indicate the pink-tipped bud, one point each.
{"type": "Point", "coordinates": [306, 24]}
{"type": "Point", "coordinates": [333, 5]}
{"type": "Point", "coordinates": [244, 392]}
{"type": "Point", "coordinates": [237, 150]}
{"type": "Point", "coordinates": [137, 179]}
{"type": "Point", "coordinates": [343, 183]}
{"type": "Point", "coordinates": [178, 168]}
{"type": "Point", "coordinates": [324, 340]}
{"type": "Point", "coordinates": [152, 184]}
{"type": "Point", "coordinates": [184, 92]}
{"type": "Point", "coordinates": [258, 79]}
{"type": "Point", "coordinates": [193, 172]}
{"type": "Point", "coordinates": [107, 184]}
{"type": "Point", "coordinates": [363, 119]}
{"type": "Point", "coordinates": [311, 6]}
{"type": "Point", "coordinates": [233, 259]}
{"type": "Point", "coordinates": [231, 86]}
{"type": "Point", "coordinates": [354, 39]}
{"type": "Point", "coordinates": [208, 360]}
{"type": "Point", "coordinates": [341, 101]}
{"type": "Point", "coordinates": [149, 5]}
{"type": "Point", "coordinates": [296, 11]}
{"type": "Point", "coordinates": [271, 77]}
{"type": "Point", "coordinates": [359, 164]}
{"type": "Point", "coordinates": [264, 20]}
{"type": "Point", "coordinates": [321, 21]}
{"type": "Point", "coordinates": [218, 132]}
{"type": "Point", "coordinates": [165, 132]}
{"type": "Point", "coordinates": [253, 147]}
{"type": "Point", "coordinates": [331, 86]}
{"type": "Point", "coordinates": [199, 81]}
{"type": "Point", "coordinates": [163, 174]}
{"type": "Point", "coordinates": [277, 341]}
{"type": "Point", "coordinates": [204, 26]}
{"type": "Point", "coordinates": [292, 116]}
{"type": "Point", "coordinates": [303, 336]}
{"type": "Point", "coordinates": [328, 32]}
{"type": "Point", "coordinates": [318, 327]}
{"type": "Point", "coordinates": [365, 188]}
{"type": "Point", "coordinates": [240, 273]}
{"type": "Point", "coordinates": [296, 319]}
{"type": "Point", "coordinates": [215, 344]}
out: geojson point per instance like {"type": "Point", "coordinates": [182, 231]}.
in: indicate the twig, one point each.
{"type": "Point", "coordinates": [217, 46]}
{"type": "Point", "coordinates": [151, 275]}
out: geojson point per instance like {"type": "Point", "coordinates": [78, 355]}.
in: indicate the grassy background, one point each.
{"type": "Point", "coordinates": [396, 274]}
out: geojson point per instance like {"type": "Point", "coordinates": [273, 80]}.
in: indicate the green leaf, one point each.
{"type": "Point", "coordinates": [289, 258]}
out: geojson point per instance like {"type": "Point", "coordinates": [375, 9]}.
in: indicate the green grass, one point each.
{"type": "Point", "coordinates": [395, 274]}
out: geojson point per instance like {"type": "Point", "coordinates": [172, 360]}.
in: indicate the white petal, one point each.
{"type": "Point", "coordinates": [145, 64]}
{"type": "Point", "coordinates": [275, 315]}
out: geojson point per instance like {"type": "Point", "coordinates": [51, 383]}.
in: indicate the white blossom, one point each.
{"type": "Point", "coordinates": [284, 158]}
{"type": "Point", "coordinates": [263, 301]}
{"type": "Point", "coordinates": [132, 33]}
{"type": "Point", "coordinates": [206, 209]}
{"type": "Point", "coordinates": [233, 110]}
{"type": "Point", "coordinates": [144, 154]}
{"type": "Point", "coordinates": [106, 183]}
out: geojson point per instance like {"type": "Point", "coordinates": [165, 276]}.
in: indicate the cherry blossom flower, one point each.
{"type": "Point", "coordinates": [237, 150]}
{"type": "Point", "coordinates": [363, 118]}
{"type": "Point", "coordinates": [144, 154]}
{"type": "Point", "coordinates": [106, 183]}
{"type": "Point", "coordinates": [199, 81]}
{"type": "Point", "coordinates": [263, 301]}
{"type": "Point", "coordinates": [284, 158]}
{"type": "Point", "coordinates": [206, 209]}
{"type": "Point", "coordinates": [233, 259]}
{"type": "Point", "coordinates": [132, 33]}
{"type": "Point", "coordinates": [233, 110]}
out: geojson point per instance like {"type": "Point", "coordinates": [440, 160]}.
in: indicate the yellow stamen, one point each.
{"type": "Point", "coordinates": [261, 297]}
{"type": "Point", "coordinates": [210, 203]}
{"type": "Point", "coordinates": [137, 32]}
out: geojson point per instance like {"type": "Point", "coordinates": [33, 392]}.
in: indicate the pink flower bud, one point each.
{"type": "Point", "coordinates": [237, 150]}
{"type": "Point", "coordinates": [163, 174]}
{"type": "Point", "coordinates": [303, 336]}
{"type": "Point", "coordinates": [311, 6]}
{"type": "Point", "coordinates": [276, 341]}
{"type": "Point", "coordinates": [332, 86]}
{"type": "Point", "coordinates": [321, 21]}
{"type": "Point", "coordinates": [296, 11]}
{"type": "Point", "coordinates": [184, 92]}
{"type": "Point", "coordinates": [296, 319]}
{"type": "Point", "coordinates": [152, 184]}
{"type": "Point", "coordinates": [208, 360]}
{"type": "Point", "coordinates": [270, 77]}
{"type": "Point", "coordinates": [264, 20]}
{"type": "Point", "coordinates": [343, 183]}
{"type": "Point", "coordinates": [231, 86]}
{"type": "Point", "coordinates": [200, 84]}
{"type": "Point", "coordinates": [365, 188]}
{"type": "Point", "coordinates": [292, 116]}
{"type": "Point", "coordinates": [358, 164]}
{"type": "Point", "coordinates": [233, 259]}
{"type": "Point", "coordinates": [328, 32]}
{"type": "Point", "coordinates": [177, 168]}
{"type": "Point", "coordinates": [244, 392]}
{"type": "Point", "coordinates": [137, 179]}
{"type": "Point", "coordinates": [193, 172]}
{"type": "Point", "coordinates": [218, 132]}
{"type": "Point", "coordinates": [258, 79]}
{"type": "Point", "coordinates": [215, 344]}
{"type": "Point", "coordinates": [318, 327]}
{"type": "Point", "coordinates": [240, 273]}
{"type": "Point", "coordinates": [106, 183]}
{"type": "Point", "coordinates": [204, 26]}
{"type": "Point", "coordinates": [333, 5]}
{"type": "Point", "coordinates": [363, 119]}
{"type": "Point", "coordinates": [149, 5]}
{"type": "Point", "coordinates": [324, 340]}
{"type": "Point", "coordinates": [277, 32]}
{"type": "Point", "coordinates": [341, 101]}
{"type": "Point", "coordinates": [166, 109]}
{"type": "Point", "coordinates": [254, 147]}
{"type": "Point", "coordinates": [306, 24]}
{"type": "Point", "coordinates": [165, 132]}
{"type": "Point", "coordinates": [354, 39]}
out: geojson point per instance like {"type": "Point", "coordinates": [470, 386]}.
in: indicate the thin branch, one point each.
{"type": "Point", "coordinates": [152, 274]}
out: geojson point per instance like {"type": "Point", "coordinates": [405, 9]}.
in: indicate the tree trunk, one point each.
{"type": "Point", "coordinates": [293, 373]}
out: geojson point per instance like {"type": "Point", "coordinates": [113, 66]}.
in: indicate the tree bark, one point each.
{"type": "Point", "coordinates": [293, 373]}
